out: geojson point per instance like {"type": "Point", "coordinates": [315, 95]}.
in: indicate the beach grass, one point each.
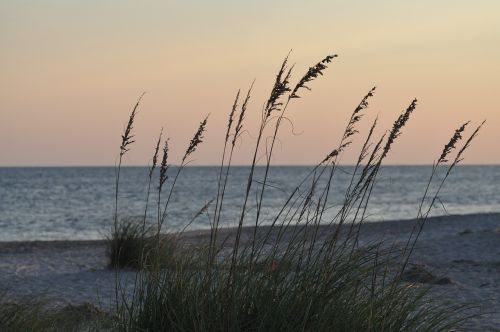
{"type": "Point", "coordinates": [289, 275]}
{"type": "Point", "coordinates": [135, 246]}
{"type": "Point", "coordinates": [36, 314]}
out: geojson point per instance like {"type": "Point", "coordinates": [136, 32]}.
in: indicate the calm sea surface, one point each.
{"type": "Point", "coordinates": [78, 202]}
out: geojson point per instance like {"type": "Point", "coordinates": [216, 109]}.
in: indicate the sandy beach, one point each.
{"type": "Point", "coordinates": [463, 250]}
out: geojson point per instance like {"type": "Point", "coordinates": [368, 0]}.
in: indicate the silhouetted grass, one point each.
{"type": "Point", "coordinates": [129, 244]}
{"type": "Point", "coordinates": [304, 271]}
{"type": "Point", "coordinates": [134, 246]}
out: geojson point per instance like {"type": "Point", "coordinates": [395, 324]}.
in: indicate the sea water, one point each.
{"type": "Point", "coordinates": [71, 203]}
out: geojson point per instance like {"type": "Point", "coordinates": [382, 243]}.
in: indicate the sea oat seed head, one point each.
{"type": "Point", "coordinates": [155, 156]}
{"type": "Point", "coordinates": [244, 106]}
{"type": "Point", "coordinates": [451, 144]}
{"type": "Point", "coordinates": [231, 115]}
{"type": "Point", "coordinates": [164, 165]}
{"type": "Point", "coordinates": [312, 74]}
{"type": "Point", "coordinates": [196, 140]}
{"type": "Point", "coordinates": [280, 87]}
{"type": "Point", "coordinates": [127, 135]}
{"type": "Point", "coordinates": [396, 128]}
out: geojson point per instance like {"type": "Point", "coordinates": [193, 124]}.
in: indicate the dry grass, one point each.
{"type": "Point", "coordinates": [38, 315]}
{"type": "Point", "coordinates": [292, 276]}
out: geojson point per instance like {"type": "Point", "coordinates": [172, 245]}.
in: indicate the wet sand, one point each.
{"type": "Point", "coordinates": [465, 249]}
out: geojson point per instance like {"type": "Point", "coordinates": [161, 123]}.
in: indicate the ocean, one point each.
{"type": "Point", "coordinates": [77, 203]}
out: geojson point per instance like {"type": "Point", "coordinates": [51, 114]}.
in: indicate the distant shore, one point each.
{"type": "Point", "coordinates": [465, 249]}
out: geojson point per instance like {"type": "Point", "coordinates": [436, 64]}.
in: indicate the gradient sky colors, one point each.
{"type": "Point", "coordinates": [70, 71]}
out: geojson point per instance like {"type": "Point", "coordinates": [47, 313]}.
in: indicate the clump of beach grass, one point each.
{"type": "Point", "coordinates": [129, 244]}
{"type": "Point", "coordinates": [23, 315]}
{"type": "Point", "coordinates": [132, 241]}
{"type": "Point", "coordinates": [38, 314]}
{"type": "Point", "coordinates": [305, 270]}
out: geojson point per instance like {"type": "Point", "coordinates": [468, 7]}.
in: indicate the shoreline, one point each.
{"type": "Point", "coordinates": [442, 223]}
{"type": "Point", "coordinates": [462, 248]}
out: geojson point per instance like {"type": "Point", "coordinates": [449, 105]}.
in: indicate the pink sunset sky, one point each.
{"type": "Point", "coordinates": [72, 70]}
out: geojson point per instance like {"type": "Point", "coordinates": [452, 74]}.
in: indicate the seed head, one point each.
{"type": "Point", "coordinates": [164, 165]}
{"type": "Point", "coordinates": [155, 156]}
{"type": "Point", "coordinates": [231, 115]}
{"type": "Point", "coordinates": [127, 137]}
{"type": "Point", "coordinates": [244, 106]}
{"type": "Point", "coordinates": [280, 87]}
{"type": "Point", "coordinates": [396, 128]}
{"type": "Point", "coordinates": [196, 140]}
{"type": "Point", "coordinates": [452, 143]}
{"type": "Point", "coordinates": [312, 74]}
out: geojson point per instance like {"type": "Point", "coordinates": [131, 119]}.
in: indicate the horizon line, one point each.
{"type": "Point", "coordinates": [233, 165]}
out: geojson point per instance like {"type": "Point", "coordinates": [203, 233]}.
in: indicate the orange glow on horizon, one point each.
{"type": "Point", "coordinates": [72, 72]}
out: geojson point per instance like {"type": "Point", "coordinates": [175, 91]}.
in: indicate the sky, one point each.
{"type": "Point", "coordinates": [71, 71]}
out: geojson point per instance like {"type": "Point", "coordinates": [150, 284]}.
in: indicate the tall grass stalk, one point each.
{"type": "Point", "coordinates": [127, 140]}
{"type": "Point", "coordinates": [307, 269]}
